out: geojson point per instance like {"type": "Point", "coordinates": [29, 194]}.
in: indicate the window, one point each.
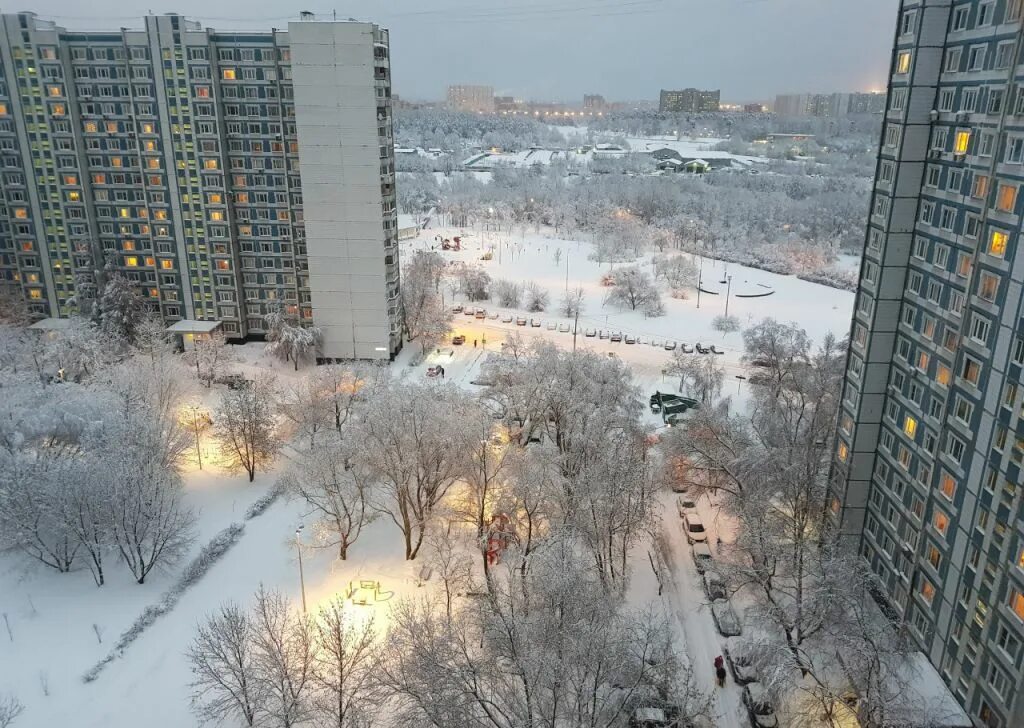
{"type": "Point", "coordinates": [962, 140]}
{"type": "Point", "coordinates": [228, 74]}
{"type": "Point", "coordinates": [946, 96]}
{"type": "Point", "coordinates": [979, 329]}
{"type": "Point", "coordinates": [976, 58]}
{"type": "Point", "coordinates": [995, 101]}
{"type": "Point", "coordinates": [971, 370]}
{"type": "Point", "coordinates": [940, 521]}
{"type": "Point", "coordinates": [907, 21]}
{"type": "Point", "coordinates": [1006, 197]}
{"type": "Point", "coordinates": [988, 286]}
{"type": "Point", "coordinates": [910, 425]}
{"type": "Point", "coordinates": [892, 135]}
{"type": "Point", "coordinates": [986, 144]}
{"type": "Point", "coordinates": [1014, 150]}
{"type": "Point", "coordinates": [969, 100]}
{"type": "Point", "coordinates": [927, 590]}
{"type": "Point", "coordinates": [980, 187]}
{"type": "Point", "coordinates": [927, 210]}
{"type": "Point", "coordinates": [947, 485]}
{"type": "Point", "coordinates": [1016, 602]}
{"type": "Point", "coordinates": [898, 99]}
{"type": "Point", "coordinates": [131, 261]}
{"type": "Point", "coordinates": [903, 62]}
{"type": "Point", "coordinates": [997, 243]}
{"type": "Point", "coordinates": [952, 64]}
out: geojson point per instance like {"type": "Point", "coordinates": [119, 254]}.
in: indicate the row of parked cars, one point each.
{"type": "Point", "coordinates": [756, 700]}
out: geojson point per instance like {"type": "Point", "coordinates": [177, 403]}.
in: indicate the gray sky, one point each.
{"type": "Point", "coordinates": [560, 49]}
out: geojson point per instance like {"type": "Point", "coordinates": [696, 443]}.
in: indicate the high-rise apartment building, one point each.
{"type": "Point", "coordinates": [835, 105]}
{"type": "Point", "coordinates": [689, 101]}
{"type": "Point", "coordinates": [928, 477]}
{"type": "Point", "coordinates": [475, 99]}
{"type": "Point", "coordinates": [594, 102]}
{"type": "Point", "coordinates": [223, 173]}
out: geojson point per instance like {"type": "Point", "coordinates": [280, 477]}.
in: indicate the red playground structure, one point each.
{"type": "Point", "coordinates": [454, 243]}
{"type": "Point", "coordinates": [499, 533]}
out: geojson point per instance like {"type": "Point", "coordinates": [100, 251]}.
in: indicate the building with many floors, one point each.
{"type": "Point", "coordinates": [929, 467]}
{"type": "Point", "coordinates": [223, 173]}
{"type": "Point", "coordinates": [475, 99]}
{"type": "Point", "coordinates": [834, 105]}
{"type": "Point", "coordinates": [689, 101]}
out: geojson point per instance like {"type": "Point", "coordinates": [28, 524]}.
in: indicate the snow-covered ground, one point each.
{"type": "Point", "coordinates": [54, 618]}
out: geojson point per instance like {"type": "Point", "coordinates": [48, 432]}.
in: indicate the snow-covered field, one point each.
{"type": "Point", "coordinates": [61, 624]}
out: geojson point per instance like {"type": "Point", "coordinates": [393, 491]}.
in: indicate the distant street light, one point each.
{"type": "Point", "coordinates": [195, 426]}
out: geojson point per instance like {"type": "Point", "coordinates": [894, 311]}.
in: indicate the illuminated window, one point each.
{"type": "Point", "coordinates": [971, 371]}
{"type": "Point", "coordinates": [997, 243]}
{"type": "Point", "coordinates": [843, 452]}
{"type": "Point", "coordinates": [216, 215]}
{"type": "Point", "coordinates": [947, 485]}
{"type": "Point", "coordinates": [203, 92]}
{"type": "Point", "coordinates": [223, 265]}
{"type": "Point", "coordinates": [150, 261]}
{"type": "Point", "coordinates": [35, 294]}
{"type": "Point", "coordinates": [3, 109]}
{"type": "Point", "coordinates": [239, 180]}
{"type": "Point", "coordinates": [53, 90]}
{"type": "Point", "coordinates": [903, 62]}
{"type": "Point", "coordinates": [21, 213]}
{"type": "Point", "coordinates": [910, 426]}
{"type": "Point", "coordinates": [124, 212]}
{"type": "Point", "coordinates": [160, 215]}
{"type": "Point", "coordinates": [27, 247]}
{"type": "Point", "coordinates": [963, 138]}
{"type": "Point", "coordinates": [980, 188]}
{"type": "Point", "coordinates": [99, 178]}
{"type": "Point", "coordinates": [131, 261]}
{"type": "Point", "coordinates": [242, 197]}
{"type": "Point", "coordinates": [922, 361]}
{"type": "Point", "coordinates": [71, 179]}
{"type": "Point", "coordinates": [128, 245]}
{"type": "Point", "coordinates": [228, 74]}
{"type": "Point", "coordinates": [111, 127]}
{"type": "Point", "coordinates": [167, 264]}
{"type": "Point", "coordinates": [214, 198]}
{"type": "Point", "coordinates": [1017, 603]}
{"type": "Point", "coordinates": [74, 196]}
{"type": "Point", "coordinates": [153, 163]}
{"type": "Point", "coordinates": [90, 126]}
{"type": "Point", "coordinates": [1006, 198]}
{"type": "Point", "coordinates": [149, 145]}
{"type": "Point", "coordinates": [940, 521]}
{"type": "Point", "coordinates": [209, 164]}
{"type": "Point", "coordinates": [147, 128]}
{"type": "Point", "coordinates": [282, 215]}
{"type": "Point", "coordinates": [115, 162]}
{"type": "Point", "coordinates": [154, 293]}
{"type": "Point", "coordinates": [927, 590]}
{"type": "Point", "coordinates": [58, 109]}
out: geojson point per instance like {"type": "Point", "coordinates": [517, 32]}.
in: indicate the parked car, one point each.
{"type": "Point", "coordinates": [604, 335]}
{"type": "Point", "coordinates": [693, 527]}
{"type": "Point", "coordinates": [469, 311]}
{"type": "Point", "coordinates": [759, 379]}
{"type": "Point", "coordinates": [655, 342]}
{"type": "Point", "coordinates": [535, 323]}
{"type": "Point", "coordinates": [590, 333]}
{"type": "Point", "coordinates": [702, 557]}
{"type": "Point", "coordinates": [457, 309]}
{"type": "Point", "coordinates": [494, 316]}
{"type": "Point", "coordinates": [726, 621]}
{"type": "Point", "coordinates": [630, 339]}
{"type": "Point", "coordinates": [564, 328]}
{"type": "Point", "coordinates": [506, 319]}
{"type": "Point", "coordinates": [459, 340]}
{"type": "Point", "coordinates": [617, 337]}
{"type": "Point", "coordinates": [520, 321]}
{"type": "Point", "coordinates": [740, 664]}
{"type": "Point", "coordinates": [759, 706]}
{"type": "Point", "coordinates": [670, 346]}
{"type": "Point", "coordinates": [763, 363]}
{"type": "Point", "coordinates": [701, 349]}
{"type": "Point", "coordinates": [679, 486]}
{"type": "Point", "coordinates": [552, 326]}
{"type": "Point", "coordinates": [481, 313]}
{"type": "Point", "coordinates": [714, 585]}
{"type": "Point", "coordinates": [686, 348]}
{"type": "Point", "coordinates": [716, 351]}
{"type": "Point", "coordinates": [686, 507]}
{"type": "Point", "coordinates": [434, 371]}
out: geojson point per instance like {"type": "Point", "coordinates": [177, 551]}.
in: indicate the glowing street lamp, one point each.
{"type": "Point", "coordinates": [194, 409]}
{"type": "Point", "coordinates": [302, 578]}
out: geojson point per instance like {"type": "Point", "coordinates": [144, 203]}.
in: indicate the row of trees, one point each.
{"type": "Point", "coordinates": [822, 636]}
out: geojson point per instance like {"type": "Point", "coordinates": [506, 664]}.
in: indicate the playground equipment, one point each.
{"type": "Point", "coordinates": [499, 533]}
{"type": "Point", "coordinates": [454, 243]}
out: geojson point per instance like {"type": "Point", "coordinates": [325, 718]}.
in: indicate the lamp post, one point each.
{"type": "Point", "coordinates": [728, 290]}
{"type": "Point", "coordinates": [195, 426]}
{"type": "Point", "coordinates": [302, 578]}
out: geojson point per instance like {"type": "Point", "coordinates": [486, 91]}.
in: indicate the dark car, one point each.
{"type": "Point", "coordinates": [670, 346]}
{"type": "Point", "coordinates": [701, 349]}
{"type": "Point", "coordinates": [759, 706]}
{"type": "Point", "coordinates": [459, 340]}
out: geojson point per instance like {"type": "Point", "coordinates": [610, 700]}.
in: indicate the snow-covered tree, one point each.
{"type": "Point", "coordinates": [210, 355]}
{"type": "Point", "coordinates": [345, 655]}
{"type": "Point", "coordinates": [572, 302]}
{"type": "Point", "coordinates": [10, 709]}
{"type": "Point", "coordinates": [725, 324]}
{"type": "Point", "coordinates": [507, 293]}
{"type": "Point", "coordinates": [536, 297]}
{"type": "Point", "coordinates": [246, 426]}
{"type": "Point", "coordinates": [225, 685]}
{"type": "Point", "coordinates": [284, 659]}
{"type": "Point", "coordinates": [699, 374]}
{"type": "Point", "coordinates": [121, 309]}
{"type": "Point", "coordinates": [634, 289]}
{"type": "Point", "coordinates": [295, 343]}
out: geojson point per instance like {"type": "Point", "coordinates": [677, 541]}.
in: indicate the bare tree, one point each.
{"type": "Point", "coordinates": [572, 303]}
{"type": "Point", "coordinates": [405, 435]}
{"type": "Point", "coordinates": [507, 293]}
{"type": "Point", "coordinates": [225, 685]}
{"type": "Point", "coordinates": [10, 709]}
{"type": "Point", "coordinates": [246, 425]}
{"type": "Point", "coordinates": [283, 659]}
{"type": "Point", "coordinates": [537, 298]}
{"type": "Point", "coordinates": [698, 374]}
{"type": "Point", "coordinates": [334, 483]}
{"type": "Point", "coordinates": [210, 355]}
{"type": "Point", "coordinates": [634, 290]}
{"type": "Point", "coordinates": [725, 324]}
{"type": "Point", "coordinates": [343, 668]}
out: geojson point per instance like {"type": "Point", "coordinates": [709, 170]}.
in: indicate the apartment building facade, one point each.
{"type": "Point", "coordinates": [475, 99]}
{"type": "Point", "coordinates": [927, 476]}
{"type": "Point", "coordinates": [689, 101]}
{"type": "Point", "coordinates": [223, 173]}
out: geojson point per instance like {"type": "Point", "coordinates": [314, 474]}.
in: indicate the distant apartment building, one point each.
{"type": "Point", "coordinates": [594, 102]}
{"type": "Point", "coordinates": [753, 108]}
{"type": "Point", "coordinates": [689, 100]}
{"type": "Point", "coordinates": [505, 104]}
{"type": "Point", "coordinates": [834, 105]}
{"type": "Point", "coordinates": [471, 98]}
{"type": "Point", "coordinates": [928, 476]}
{"type": "Point", "coordinates": [221, 173]}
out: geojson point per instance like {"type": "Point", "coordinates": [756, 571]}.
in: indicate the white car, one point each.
{"type": "Point", "coordinates": [590, 333]}
{"type": "Point", "coordinates": [702, 557]}
{"type": "Point", "coordinates": [693, 527]}
{"type": "Point", "coordinates": [759, 706]}
{"type": "Point", "coordinates": [727, 622]}
{"type": "Point", "coordinates": [564, 328]}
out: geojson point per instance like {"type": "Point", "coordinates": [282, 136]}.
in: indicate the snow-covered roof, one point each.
{"type": "Point", "coordinates": [52, 324]}
{"type": "Point", "coordinates": [407, 221]}
{"type": "Point", "coordinates": [703, 162]}
{"type": "Point", "coordinates": [191, 326]}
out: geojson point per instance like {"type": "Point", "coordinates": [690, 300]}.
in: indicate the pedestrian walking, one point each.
{"type": "Point", "coordinates": [474, 343]}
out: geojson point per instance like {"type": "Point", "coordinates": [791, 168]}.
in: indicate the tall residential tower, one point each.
{"type": "Point", "coordinates": [219, 171]}
{"type": "Point", "coordinates": [928, 471]}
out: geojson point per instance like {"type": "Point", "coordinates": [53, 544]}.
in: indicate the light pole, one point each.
{"type": "Point", "coordinates": [700, 279]}
{"type": "Point", "coordinates": [302, 577]}
{"type": "Point", "coordinates": [195, 427]}
{"type": "Point", "coordinates": [728, 290]}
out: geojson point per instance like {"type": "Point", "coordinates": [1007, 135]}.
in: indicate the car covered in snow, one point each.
{"type": "Point", "coordinates": [686, 506]}
{"type": "Point", "coordinates": [552, 326]}
{"type": "Point", "coordinates": [564, 328]}
{"type": "Point", "coordinates": [604, 335]}
{"type": "Point", "coordinates": [535, 323]}
{"type": "Point", "coordinates": [630, 339]}
{"type": "Point", "coordinates": [759, 706]}
{"type": "Point", "coordinates": [469, 311]}
{"type": "Point", "coordinates": [740, 663]}
{"type": "Point", "coordinates": [702, 557]}
{"type": "Point", "coordinates": [520, 321]}
{"type": "Point", "coordinates": [481, 313]}
{"type": "Point", "coordinates": [714, 585]}
{"type": "Point", "coordinates": [457, 309]}
{"type": "Point", "coordinates": [507, 319]}
{"type": "Point", "coordinates": [590, 333]}
{"type": "Point", "coordinates": [616, 337]}
{"type": "Point", "coordinates": [693, 527]}
{"type": "Point", "coordinates": [670, 346]}
{"type": "Point", "coordinates": [494, 316]}
{"type": "Point", "coordinates": [726, 621]}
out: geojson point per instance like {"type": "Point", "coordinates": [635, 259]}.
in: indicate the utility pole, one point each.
{"type": "Point", "coordinates": [728, 290]}
{"type": "Point", "coordinates": [700, 280]}
{"type": "Point", "coordinates": [195, 427]}
{"type": "Point", "coordinates": [575, 325]}
{"type": "Point", "coordinates": [302, 578]}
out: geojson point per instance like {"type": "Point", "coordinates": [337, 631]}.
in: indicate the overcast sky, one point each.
{"type": "Point", "coordinates": [561, 49]}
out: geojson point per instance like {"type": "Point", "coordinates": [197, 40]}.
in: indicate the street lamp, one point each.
{"type": "Point", "coordinates": [728, 290]}
{"type": "Point", "coordinates": [195, 426]}
{"type": "Point", "coordinates": [302, 578]}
